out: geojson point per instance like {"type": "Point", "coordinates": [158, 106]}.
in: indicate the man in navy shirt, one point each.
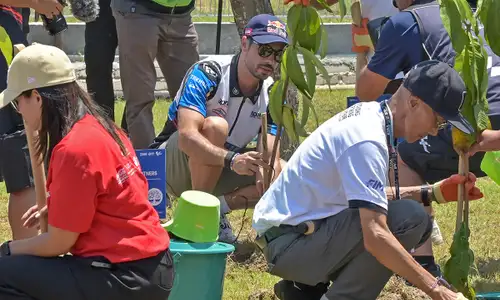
{"type": "Point", "coordinates": [407, 38]}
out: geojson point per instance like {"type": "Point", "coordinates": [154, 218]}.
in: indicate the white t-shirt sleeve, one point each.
{"type": "Point", "coordinates": [363, 171]}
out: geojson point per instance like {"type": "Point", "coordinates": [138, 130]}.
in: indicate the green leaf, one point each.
{"type": "Point", "coordinates": [342, 8]}
{"type": "Point", "coordinates": [452, 21]}
{"type": "Point", "coordinates": [308, 29]}
{"type": "Point", "coordinates": [466, 14]}
{"type": "Point", "coordinates": [325, 6]}
{"type": "Point", "coordinates": [488, 10]}
{"type": "Point", "coordinates": [308, 55]}
{"type": "Point", "coordinates": [324, 41]}
{"type": "Point", "coordinates": [276, 101]}
{"type": "Point", "coordinates": [293, 19]}
{"type": "Point", "coordinates": [299, 129]}
{"type": "Point", "coordinates": [289, 122]}
{"type": "Point", "coordinates": [294, 71]}
{"type": "Point", "coordinates": [457, 268]}
{"type": "Point", "coordinates": [307, 101]}
{"type": "Point", "coordinates": [305, 113]}
{"type": "Point", "coordinates": [310, 74]}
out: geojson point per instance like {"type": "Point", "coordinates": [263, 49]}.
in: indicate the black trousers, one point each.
{"type": "Point", "coordinates": [76, 278]}
{"type": "Point", "coordinates": [101, 42]}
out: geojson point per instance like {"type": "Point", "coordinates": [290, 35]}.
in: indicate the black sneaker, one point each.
{"type": "Point", "coordinates": [290, 290]}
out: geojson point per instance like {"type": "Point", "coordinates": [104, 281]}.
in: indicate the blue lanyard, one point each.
{"type": "Point", "coordinates": [391, 144]}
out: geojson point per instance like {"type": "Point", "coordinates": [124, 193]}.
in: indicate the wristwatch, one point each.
{"type": "Point", "coordinates": [5, 249]}
{"type": "Point", "coordinates": [424, 195]}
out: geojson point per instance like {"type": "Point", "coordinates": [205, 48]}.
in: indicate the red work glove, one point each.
{"type": "Point", "coordinates": [447, 190]}
{"type": "Point", "coordinates": [298, 2]}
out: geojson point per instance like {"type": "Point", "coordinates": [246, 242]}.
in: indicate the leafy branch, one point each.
{"type": "Point", "coordinates": [308, 36]}
{"type": "Point", "coordinates": [464, 28]}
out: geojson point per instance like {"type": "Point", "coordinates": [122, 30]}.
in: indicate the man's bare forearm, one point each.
{"type": "Point", "coordinates": [409, 192]}
{"type": "Point", "coordinates": [198, 148]}
{"type": "Point", "coordinates": [389, 252]}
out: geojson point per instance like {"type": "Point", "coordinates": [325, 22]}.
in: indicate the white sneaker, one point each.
{"type": "Point", "coordinates": [225, 231]}
{"type": "Point", "coordinates": [436, 237]}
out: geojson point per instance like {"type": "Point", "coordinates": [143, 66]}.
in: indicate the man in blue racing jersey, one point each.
{"type": "Point", "coordinates": [217, 113]}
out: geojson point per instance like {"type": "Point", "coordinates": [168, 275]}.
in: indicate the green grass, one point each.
{"type": "Point", "coordinates": [246, 277]}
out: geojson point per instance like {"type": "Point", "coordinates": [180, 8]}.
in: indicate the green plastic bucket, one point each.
{"type": "Point", "coordinates": [488, 296]}
{"type": "Point", "coordinates": [196, 217]}
{"type": "Point", "coordinates": [199, 270]}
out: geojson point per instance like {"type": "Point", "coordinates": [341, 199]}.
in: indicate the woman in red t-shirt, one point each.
{"type": "Point", "coordinates": [97, 205]}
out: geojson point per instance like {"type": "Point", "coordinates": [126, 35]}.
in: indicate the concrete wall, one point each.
{"type": "Point", "coordinates": [340, 68]}
{"type": "Point", "coordinates": [340, 62]}
{"type": "Point", "coordinates": [339, 38]}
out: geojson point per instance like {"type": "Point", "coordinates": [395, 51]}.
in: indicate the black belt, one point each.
{"type": "Point", "coordinates": [305, 228]}
{"type": "Point", "coordinates": [158, 8]}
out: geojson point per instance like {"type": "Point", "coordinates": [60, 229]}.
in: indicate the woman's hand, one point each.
{"type": "Point", "coordinates": [32, 217]}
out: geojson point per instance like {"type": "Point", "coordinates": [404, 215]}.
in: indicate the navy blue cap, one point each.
{"type": "Point", "coordinates": [266, 29]}
{"type": "Point", "coordinates": [438, 85]}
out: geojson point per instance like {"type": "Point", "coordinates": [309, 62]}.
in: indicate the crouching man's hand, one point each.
{"type": "Point", "coordinates": [447, 190]}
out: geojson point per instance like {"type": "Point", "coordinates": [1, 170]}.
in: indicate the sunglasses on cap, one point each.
{"type": "Point", "coordinates": [266, 50]}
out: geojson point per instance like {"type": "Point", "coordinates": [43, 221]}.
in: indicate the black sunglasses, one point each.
{"type": "Point", "coordinates": [266, 51]}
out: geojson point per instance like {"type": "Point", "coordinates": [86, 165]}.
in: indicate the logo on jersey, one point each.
{"type": "Point", "coordinates": [198, 80]}
{"type": "Point", "coordinates": [255, 115]}
{"type": "Point", "coordinates": [375, 184]}
{"type": "Point", "coordinates": [209, 70]}
{"type": "Point", "coordinates": [219, 112]}
{"type": "Point", "coordinates": [236, 92]}
{"type": "Point", "coordinates": [222, 101]}
{"type": "Point", "coordinates": [352, 111]}
{"type": "Point", "coordinates": [424, 144]}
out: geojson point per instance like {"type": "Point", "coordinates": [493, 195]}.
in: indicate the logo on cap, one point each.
{"type": "Point", "coordinates": [276, 27]}
{"type": "Point", "coordinates": [464, 93]}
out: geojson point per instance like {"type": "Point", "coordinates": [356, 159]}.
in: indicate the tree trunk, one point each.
{"type": "Point", "coordinates": [243, 11]}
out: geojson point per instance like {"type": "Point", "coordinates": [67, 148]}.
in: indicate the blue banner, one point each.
{"type": "Point", "coordinates": [154, 166]}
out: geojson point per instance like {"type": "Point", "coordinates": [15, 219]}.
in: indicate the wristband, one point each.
{"type": "Point", "coordinates": [232, 161]}
{"type": "Point", "coordinates": [437, 194]}
{"type": "Point", "coordinates": [424, 195]}
{"type": "Point", "coordinates": [5, 249]}
{"type": "Point", "coordinates": [228, 160]}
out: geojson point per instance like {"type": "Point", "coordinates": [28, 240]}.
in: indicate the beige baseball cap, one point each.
{"type": "Point", "coordinates": [36, 66]}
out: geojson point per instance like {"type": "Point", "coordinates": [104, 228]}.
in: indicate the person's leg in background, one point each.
{"type": "Point", "coordinates": [100, 47]}
{"type": "Point", "coordinates": [138, 36]}
{"type": "Point", "coordinates": [15, 161]}
{"type": "Point", "coordinates": [16, 171]}
{"type": "Point", "coordinates": [177, 50]}
{"type": "Point", "coordinates": [25, 12]}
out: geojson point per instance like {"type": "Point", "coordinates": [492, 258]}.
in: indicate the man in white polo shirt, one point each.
{"type": "Point", "coordinates": [327, 216]}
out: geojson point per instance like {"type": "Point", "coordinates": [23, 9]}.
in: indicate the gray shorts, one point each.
{"type": "Point", "coordinates": [15, 163]}
{"type": "Point", "coordinates": [179, 175]}
{"type": "Point", "coordinates": [335, 251]}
